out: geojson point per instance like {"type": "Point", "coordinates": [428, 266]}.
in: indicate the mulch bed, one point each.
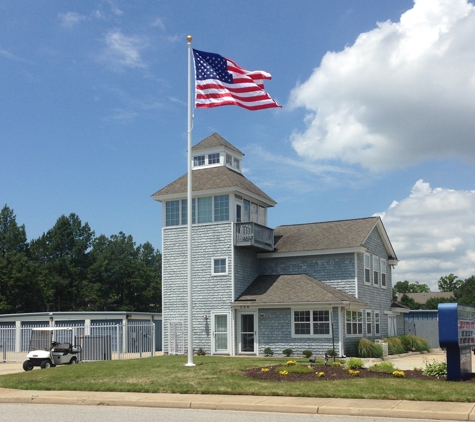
{"type": "Point", "coordinates": [332, 373]}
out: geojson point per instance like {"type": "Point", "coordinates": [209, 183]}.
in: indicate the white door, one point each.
{"type": "Point", "coordinates": [247, 332]}
{"type": "Point", "coordinates": [220, 330]}
{"type": "Point", "coordinates": [392, 330]}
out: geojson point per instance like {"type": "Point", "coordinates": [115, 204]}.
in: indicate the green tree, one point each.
{"type": "Point", "coordinates": [407, 287]}
{"type": "Point", "coordinates": [449, 283]}
{"type": "Point", "coordinates": [21, 284]}
{"type": "Point", "coordinates": [466, 292]}
{"type": "Point", "coordinates": [409, 302]}
{"type": "Point", "coordinates": [433, 302]}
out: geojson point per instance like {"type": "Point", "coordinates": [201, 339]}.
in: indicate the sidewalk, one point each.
{"type": "Point", "coordinates": [306, 405]}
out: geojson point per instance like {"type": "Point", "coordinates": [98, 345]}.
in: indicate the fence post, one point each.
{"type": "Point", "coordinates": [153, 339]}
{"type": "Point", "coordinates": [118, 342]}
{"type": "Point", "coordinates": [4, 351]}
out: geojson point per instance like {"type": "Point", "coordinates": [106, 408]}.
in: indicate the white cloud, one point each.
{"type": "Point", "coordinates": [433, 234]}
{"type": "Point", "coordinates": [123, 51]}
{"type": "Point", "coordinates": [70, 19]}
{"type": "Point", "coordinates": [401, 94]}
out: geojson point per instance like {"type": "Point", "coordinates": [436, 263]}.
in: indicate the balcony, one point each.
{"type": "Point", "coordinates": [254, 235]}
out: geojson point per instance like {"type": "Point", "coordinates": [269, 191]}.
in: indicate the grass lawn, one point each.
{"type": "Point", "coordinates": [222, 375]}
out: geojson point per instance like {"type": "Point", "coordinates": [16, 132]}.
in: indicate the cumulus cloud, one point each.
{"type": "Point", "coordinates": [123, 51]}
{"type": "Point", "coordinates": [70, 19]}
{"type": "Point", "coordinates": [403, 93]}
{"type": "Point", "coordinates": [433, 233]}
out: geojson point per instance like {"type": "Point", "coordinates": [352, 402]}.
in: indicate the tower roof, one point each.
{"type": "Point", "coordinates": [213, 141]}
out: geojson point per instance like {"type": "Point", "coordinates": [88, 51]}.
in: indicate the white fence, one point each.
{"type": "Point", "coordinates": [98, 342]}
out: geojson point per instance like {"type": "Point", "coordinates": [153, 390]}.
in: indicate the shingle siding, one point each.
{"type": "Point", "coordinates": [336, 270]}
{"type": "Point", "coordinates": [246, 269]}
{"type": "Point", "coordinates": [210, 293]}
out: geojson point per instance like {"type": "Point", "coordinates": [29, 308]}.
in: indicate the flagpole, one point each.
{"type": "Point", "coordinates": [189, 212]}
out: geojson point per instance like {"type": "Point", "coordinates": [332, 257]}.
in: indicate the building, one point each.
{"type": "Point", "coordinates": [312, 286]}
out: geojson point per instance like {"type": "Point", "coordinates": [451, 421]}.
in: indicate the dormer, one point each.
{"type": "Point", "coordinates": [215, 151]}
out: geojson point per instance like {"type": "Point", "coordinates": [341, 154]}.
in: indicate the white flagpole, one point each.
{"type": "Point", "coordinates": [189, 212]}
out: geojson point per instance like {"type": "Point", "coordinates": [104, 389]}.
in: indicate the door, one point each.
{"type": "Point", "coordinates": [220, 329]}
{"type": "Point", "coordinates": [247, 333]}
{"type": "Point", "coordinates": [392, 329]}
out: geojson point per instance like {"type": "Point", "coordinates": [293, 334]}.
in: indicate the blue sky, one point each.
{"type": "Point", "coordinates": [378, 103]}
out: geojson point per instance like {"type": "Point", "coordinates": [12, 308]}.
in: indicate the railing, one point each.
{"type": "Point", "coordinates": [254, 235]}
{"type": "Point", "coordinates": [98, 342]}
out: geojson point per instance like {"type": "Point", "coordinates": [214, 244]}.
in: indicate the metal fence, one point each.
{"type": "Point", "coordinates": [133, 340]}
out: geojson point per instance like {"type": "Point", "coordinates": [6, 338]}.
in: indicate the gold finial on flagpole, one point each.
{"type": "Point", "coordinates": [189, 38]}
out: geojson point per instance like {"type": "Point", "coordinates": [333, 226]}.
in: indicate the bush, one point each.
{"type": "Point", "coordinates": [414, 344]}
{"type": "Point", "coordinates": [268, 352]}
{"type": "Point", "coordinates": [331, 353]}
{"type": "Point", "coordinates": [435, 369]}
{"type": "Point", "coordinates": [307, 353]}
{"type": "Point", "coordinates": [384, 367]}
{"type": "Point", "coordinates": [368, 349]}
{"type": "Point", "coordinates": [200, 352]}
{"type": "Point", "coordinates": [288, 352]}
{"type": "Point", "coordinates": [354, 363]}
{"type": "Point", "coordinates": [395, 346]}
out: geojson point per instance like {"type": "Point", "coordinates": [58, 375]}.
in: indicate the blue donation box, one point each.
{"type": "Point", "coordinates": [457, 337]}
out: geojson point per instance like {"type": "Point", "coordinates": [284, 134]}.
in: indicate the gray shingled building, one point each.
{"type": "Point", "coordinates": [312, 286]}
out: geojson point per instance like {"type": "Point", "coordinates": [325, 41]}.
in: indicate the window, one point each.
{"type": "Point", "coordinates": [375, 270]}
{"type": "Point", "coordinates": [184, 212]}
{"type": "Point", "coordinates": [172, 213]}
{"type": "Point", "coordinates": [261, 218]}
{"type": "Point", "coordinates": [205, 211]}
{"type": "Point", "coordinates": [221, 208]}
{"type": "Point", "coordinates": [383, 273]}
{"type": "Point", "coordinates": [311, 323]}
{"type": "Point", "coordinates": [246, 211]}
{"type": "Point", "coordinates": [213, 158]}
{"type": "Point", "coordinates": [254, 211]}
{"type": "Point", "coordinates": [236, 163]}
{"type": "Point", "coordinates": [377, 323]}
{"type": "Point", "coordinates": [366, 269]}
{"type": "Point", "coordinates": [220, 266]}
{"type": "Point", "coordinates": [354, 323]}
{"type": "Point", "coordinates": [199, 161]}
{"type": "Point", "coordinates": [368, 323]}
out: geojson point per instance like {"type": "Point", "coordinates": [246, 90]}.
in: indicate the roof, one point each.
{"type": "Point", "coordinates": [213, 178]}
{"type": "Point", "coordinates": [288, 289]}
{"type": "Point", "coordinates": [213, 141]}
{"type": "Point", "coordinates": [342, 234]}
{"type": "Point", "coordinates": [422, 298]}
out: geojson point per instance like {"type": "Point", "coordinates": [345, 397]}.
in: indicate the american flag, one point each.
{"type": "Point", "coordinates": [220, 81]}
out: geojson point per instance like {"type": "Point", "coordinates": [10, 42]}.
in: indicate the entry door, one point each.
{"type": "Point", "coordinates": [392, 331]}
{"type": "Point", "coordinates": [247, 333]}
{"type": "Point", "coordinates": [220, 333]}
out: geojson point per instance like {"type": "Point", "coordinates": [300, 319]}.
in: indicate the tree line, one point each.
{"type": "Point", "coordinates": [69, 268]}
{"type": "Point", "coordinates": [463, 292]}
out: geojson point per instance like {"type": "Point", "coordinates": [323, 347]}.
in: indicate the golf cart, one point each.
{"type": "Point", "coordinates": [45, 352]}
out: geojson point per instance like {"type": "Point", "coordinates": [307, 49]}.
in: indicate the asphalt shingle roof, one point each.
{"type": "Point", "coordinates": [292, 288]}
{"type": "Point", "coordinates": [212, 141]}
{"type": "Point", "coordinates": [322, 236]}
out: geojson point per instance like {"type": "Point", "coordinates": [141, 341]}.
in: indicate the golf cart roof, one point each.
{"type": "Point", "coordinates": [51, 328]}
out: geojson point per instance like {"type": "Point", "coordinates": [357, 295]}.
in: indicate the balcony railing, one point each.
{"type": "Point", "coordinates": [254, 235]}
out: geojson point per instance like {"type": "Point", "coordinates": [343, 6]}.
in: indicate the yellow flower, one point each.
{"type": "Point", "coordinates": [291, 362]}
{"type": "Point", "coordinates": [336, 364]}
{"type": "Point", "coordinates": [354, 373]}
{"type": "Point", "coordinates": [320, 374]}
{"type": "Point", "coordinates": [399, 374]}
{"type": "Point", "coordinates": [265, 369]}
{"type": "Point", "coordinates": [283, 373]}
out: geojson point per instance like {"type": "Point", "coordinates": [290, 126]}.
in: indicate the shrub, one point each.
{"type": "Point", "coordinates": [395, 346]}
{"type": "Point", "coordinates": [200, 352]}
{"type": "Point", "coordinates": [288, 352]}
{"type": "Point", "coordinates": [354, 363]}
{"type": "Point", "coordinates": [307, 353]}
{"type": "Point", "coordinates": [336, 364]}
{"type": "Point", "coordinates": [368, 349]}
{"type": "Point", "coordinates": [413, 343]}
{"type": "Point", "coordinates": [331, 353]}
{"type": "Point", "coordinates": [384, 367]}
{"type": "Point", "coordinates": [268, 352]}
{"type": "Point", "coordinates": [435, 369]}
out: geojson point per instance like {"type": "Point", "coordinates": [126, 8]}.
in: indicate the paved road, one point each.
{"type": "Point", "coordinates": [71, 413]}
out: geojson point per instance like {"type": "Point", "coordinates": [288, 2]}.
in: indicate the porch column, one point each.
{"type": "Point", "coordinates": [18, 336]}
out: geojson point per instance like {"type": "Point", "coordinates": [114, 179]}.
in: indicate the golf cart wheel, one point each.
{"type": "Point", "coordinates": [45, 364]}
{"type": "Point", "coordinates": [73, 361]}
{"type": "Point", "coordinates": [27, 365]}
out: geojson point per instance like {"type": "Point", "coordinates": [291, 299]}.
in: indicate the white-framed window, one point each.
{"type": "Point", "coordinates": [367, 270]}
{"type": "Point", "coordinates": [375, 271]}
{"type": "Point", "coordinates": [369, 323]}
{"type": "Point", "coordinates": [213, 158]}
{"type": "Point", "coordinates": [198, 161]}
{"type": "Point", "coordinates": [205, 210]}
{"type": "Point", "coordinates": [383, 273]}
{"type": "Point", "coordinates": [219, 266]}
{"type": "Point", "coordinates": [377, 323]}
{"type": "Point", "coordinates": [172, 213]}
{"type": "Point", "coordinates": [184, 211]}
{"type": "Point", "coordinates": [236, 163]}
{"type": "Point", "coordinates": [229, 160]}
{"type": "Point", "coordinates": [354, 323]}
{"type": "Point", "coordinates": [311, 323]}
